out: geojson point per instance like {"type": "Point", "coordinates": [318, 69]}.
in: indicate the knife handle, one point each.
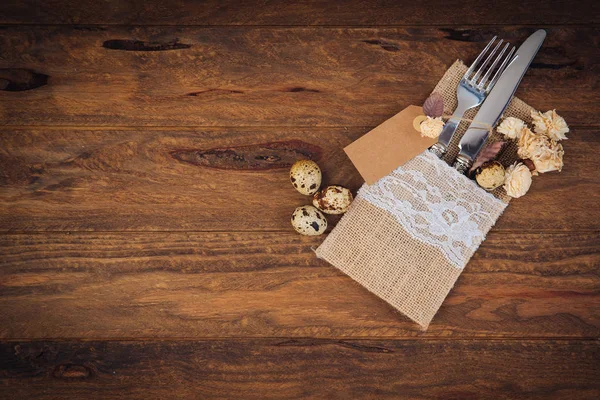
{"type": "Point", "coordinates": [462, 164]}
{"type": "Point", "coordinates": [470, 145]}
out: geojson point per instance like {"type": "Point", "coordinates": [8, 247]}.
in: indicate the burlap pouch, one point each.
{"type": "Point", "coordinates": [407, 237]}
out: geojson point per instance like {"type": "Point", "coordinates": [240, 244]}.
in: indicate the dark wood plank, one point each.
{"type": "Point", "coordinates": [282, 12]}
{"type": "Point", "coordinates": [75, 180]}
{"type": "Point", "coordinates": [299, 369]}
{"type": "Point", "coordinates": [177, 76]}
{"type": "Point", "coordinates": [194, 285]}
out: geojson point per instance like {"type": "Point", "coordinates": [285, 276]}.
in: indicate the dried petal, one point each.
{"type": "Point", "coordinates": [530, 164]}
{"type": "Point", "coordinates": [434, 105]}
{"type": "Point", "coordinates": [489, 153]}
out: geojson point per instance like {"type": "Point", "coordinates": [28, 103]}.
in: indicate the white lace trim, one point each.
{"type": "Point", "coordinates": [437, 205]}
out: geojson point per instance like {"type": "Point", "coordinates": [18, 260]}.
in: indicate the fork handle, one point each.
{"type": "Point", "coordinates": [445, 137]}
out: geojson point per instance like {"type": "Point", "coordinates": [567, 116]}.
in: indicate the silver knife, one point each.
{"type": "Point", "coordinates": [497, 101]}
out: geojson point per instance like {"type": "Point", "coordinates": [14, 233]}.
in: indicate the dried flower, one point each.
{"type": "Point", "coordinates": [491, 175]}
{"type": "Point", "coordinates": [550, 124]}
{"type": "Point", "coordinates": [511, 127]}
{"type": "Point", "coordinates": [517, 180]}
{"type": "Point", "coordinates": [529, 143]}
{"type": "Point", "coordinates": [432, 127]}
{"type": "Point", "coordinates": [551, 159]}
{"type": "Point", "coordinates": [546, 154]}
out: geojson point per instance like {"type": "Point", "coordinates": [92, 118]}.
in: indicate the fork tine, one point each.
{"type": "Point", "coordinates": [485, 63]}
{"type": "Point", "coordinates": [491, 68]}
{"type": "Point", "coordinates": [479, 57]}
{"type": "Point", "coordinates": [509, 59]}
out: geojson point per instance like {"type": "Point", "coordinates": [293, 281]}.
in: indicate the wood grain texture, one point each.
{"type": "Point", "coordinates": [145, 246]}
{"type": "Point", "coordinates": [225, 179]}
{"type": "Point", "coordinates": [300, 369]}
{"type": "Point", "coordinates": [314, 12]}
{"type": "Point", "coordinates": [194, 285]}
{"type": "Point", "coordinates": [177, 76]}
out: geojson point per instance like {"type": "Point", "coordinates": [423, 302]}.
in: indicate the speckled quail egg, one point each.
{"type": "Point", "coordinates": [490, 176]}
{"type": "Point", "coordinates": [309, 221]}
{"type": "Point", "coordinates": [333, 199]}
{"type": "Point", "coordinates": [306, 176]}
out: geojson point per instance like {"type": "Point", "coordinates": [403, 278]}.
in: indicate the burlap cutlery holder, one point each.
{"type": "Point", "coordinates": [407, 237]}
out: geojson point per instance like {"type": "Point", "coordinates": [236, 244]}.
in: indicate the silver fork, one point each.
{"type": "Point", "coordinates": [473, 89]}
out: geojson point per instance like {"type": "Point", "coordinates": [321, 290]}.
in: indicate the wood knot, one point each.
{"type": "Point", "coordinates": [138, 45]}
{"type": "Point", "coordinates": [72, 371]}
{"type": "Point", "coordinates": [19, 79]}
{"type": "Point", "coordinates": [255, 157]}
{"type": "Point", "coordinates": [387, 46]}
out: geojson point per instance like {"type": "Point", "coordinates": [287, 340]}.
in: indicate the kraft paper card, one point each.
{"type": "Point", "coordinates": [388, 146]}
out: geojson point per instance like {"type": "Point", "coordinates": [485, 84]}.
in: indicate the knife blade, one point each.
{"type": "Point", "coordinates": [496, 102]}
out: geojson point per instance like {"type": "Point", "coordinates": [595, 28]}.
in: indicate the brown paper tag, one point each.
{"type": "Point", "coordinates": [388, 146]}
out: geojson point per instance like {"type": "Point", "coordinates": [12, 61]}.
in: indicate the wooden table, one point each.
{"type": "Point", "coordinates": [138, 262]}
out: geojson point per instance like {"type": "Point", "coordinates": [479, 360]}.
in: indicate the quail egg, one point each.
{"type": "Point", "coordinates": [306, 177]}
{"type": "Point", "coordinates": [309, 221]}
{"type": "Point", "coordinates": [333, 199]}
